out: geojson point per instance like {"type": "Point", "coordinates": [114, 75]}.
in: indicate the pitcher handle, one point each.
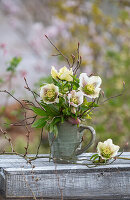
{"type": "Point", "coordinates": [93, 135]}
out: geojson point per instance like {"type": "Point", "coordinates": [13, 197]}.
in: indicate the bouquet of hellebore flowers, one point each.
{"type": "Point", "coordinates": [72, 98]}
{"type": "Point", "coordinates": [67, 98]}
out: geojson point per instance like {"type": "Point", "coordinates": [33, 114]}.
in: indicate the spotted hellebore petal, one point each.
{"type": "Point", "coordinates": [49, 93]}
{"type": "Point", "coordinates": [90, 86]}
{"type": "Point", "coordinates": [75, 98]}
{"type": "Point", "coordinates": [107, 149]}
{"type": "Point", "coordinates": [63, 74]}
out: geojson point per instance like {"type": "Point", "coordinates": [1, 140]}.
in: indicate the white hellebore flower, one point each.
{"type": "Point", "coordinates": [107, 149]}
{"type": "Point", "coordinates": [63, 74]}
{"type": "Point", "coordinates": [75, 98]}
{"type": "Point", "coordinates": [90, 86]}
{"type": "Point", "coordinates": [49, 93]}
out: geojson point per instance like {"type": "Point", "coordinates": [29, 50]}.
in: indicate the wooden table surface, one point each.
{"type": "Point", "coordinates": [63, 181]}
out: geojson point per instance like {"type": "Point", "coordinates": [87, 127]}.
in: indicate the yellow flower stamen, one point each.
{"type": "Point", "coordinates": [106, 152]}
{"type": "Point", "coordinates": [74, 100]}
{"type": "Point", "coordinates": [50, 94]}
{"type": "Point", "coordinates": [89, 89]}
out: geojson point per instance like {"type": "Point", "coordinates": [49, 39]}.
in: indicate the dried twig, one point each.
{"type": "Point", "coordinates": [58, 180]}
{"type": "Point", "coordinates": [79, 61]}
{"type": "Point", "coordinates": [112, 97]}
{"type": "Point", "coordinates": [90, 106]}
{"type": "Point", "coordinates": [20, 123]}
{"type": "Point", "coordinates": [36, 156]}
{"type": "Point", "coordinates": [60, 53]}
{"type": "Point", "coordinates": [73, 60]}
{"type": "Point", "coordinates": [33, 93]}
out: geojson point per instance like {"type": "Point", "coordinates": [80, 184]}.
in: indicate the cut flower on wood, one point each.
{"type": "Point", "coordinates": [107, 149]}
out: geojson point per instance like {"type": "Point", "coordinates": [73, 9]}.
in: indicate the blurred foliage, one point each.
{"type": "Point", "coordinates": [7, 114]}
{"type": "Point", "coordinates": [103, 29]}
{"type": "Point", "coordinates": [13, 64]}
{"type": "Point", "coordinates": [20, 143]}
{"type": "Point", "coordinates": [113, 117]}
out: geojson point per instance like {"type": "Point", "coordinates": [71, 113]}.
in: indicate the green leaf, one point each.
{"type": "Point", "coordinates": [39, 111]}
{"type": "Point", "coordinates": [51, 128]}
{"type": "Point", "coordinates": [51, 109]}
{"type": "Point", "coordinates": [1, 80]}
{"type": "Point", "coordinates": [83, 107]}
{"type": "Point", "coordinates": [55, 129]}
{"type": "Point", "coordinates": [93, 156]}
{"type": "Point", "coordinates": [56, 83]}
{"type": "Point", "coordinates": [89, 104]}
{"type": "Point", "coordinates": [93, 104]}
{"type": "Point", "coordinates": [14, 63]}
{"type": "Point", "coordinates": [56, 120]}
{"type": "Point", "coordinates": [75, 79]}
{"type": "Point", "coordinates": [40, 123]}
{"type": "Point", "coordinates": [75, 84]}
{"type": "Point", "coordinates": [87, 116]}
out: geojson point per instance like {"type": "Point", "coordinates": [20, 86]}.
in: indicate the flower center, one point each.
{"type": "Point", "coordinates": [74, 100]}
{"type": "Point", "coordinates": [89, 89]}
{"type": "Point", "coordinates": [50, 94]}
{"type": "Point", "coordinates": [106, 152]}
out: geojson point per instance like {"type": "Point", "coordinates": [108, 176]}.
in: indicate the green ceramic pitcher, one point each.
{"type": "Point", "coordinates": [67, 145]}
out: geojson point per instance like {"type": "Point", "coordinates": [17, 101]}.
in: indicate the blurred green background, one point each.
{"type": "Point", "coordinates": [103, 29]}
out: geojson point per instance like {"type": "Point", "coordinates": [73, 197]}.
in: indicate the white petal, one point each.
{"type": "Point", "coordinates": [54, 72]}
{"type": "Point", "coordinates": [56, 100]}
{"type": "Point", "coordinates": [56, 88]}
{"type": "Point", "coordinates": [42, 91]}
{"type": "Point", "coordinates": [79, 94]}
{"type": "Point", "coordinates": [95, 80]}
{"type": "Point", "coordinates": [53, 69]}
{"type": "Point", "coordinates": [84, 79]}
{"type": "Point", "coordinates": [63, 70]}
{"type": "Point", "coordinates": [75, 105]}
{"type": "Point", "coordinates": [81, 99]}
{"type": "Point", "coordinates": [115, 150]}
{"type": "Point", "coordinates": [69, 96]}
{"type": "Point", "coordinates": [99, 147]}
{"type": "Point", "coordinates": [96, 93]}
{"type": "Point", "coordinates": [108, 142]}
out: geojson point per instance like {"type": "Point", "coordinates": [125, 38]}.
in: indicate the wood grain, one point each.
{"type": "Point", "coordinates": [50, 181]}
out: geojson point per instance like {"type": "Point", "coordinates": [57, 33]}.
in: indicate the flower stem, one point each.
{"type": "Point", "coordinates": [123, 158]}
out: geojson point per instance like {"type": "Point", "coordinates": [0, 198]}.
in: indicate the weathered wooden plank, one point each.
{"type": "Point", "coordinates": [49, 180]}
{"type": "Point", "coordinates": [73, 185]}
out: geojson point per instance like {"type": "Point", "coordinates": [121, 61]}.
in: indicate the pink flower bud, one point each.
{"type": "Point", "coordinates": [74, 121]}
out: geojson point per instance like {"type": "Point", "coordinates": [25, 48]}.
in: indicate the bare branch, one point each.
{"type": "Point", "coordinates": [73, 60]}
{"type": "Point", "coordinates": [58, 50]}
{"type": "Point", "coordinates": [33, 93]}
{"type": "Point", "coordinates": [20, 122]}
